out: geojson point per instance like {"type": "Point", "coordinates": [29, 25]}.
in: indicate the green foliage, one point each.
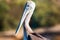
{"type": "Point", "coordinates": [47, 13]}
{"type": "Point", "coordinates": [3, 7]}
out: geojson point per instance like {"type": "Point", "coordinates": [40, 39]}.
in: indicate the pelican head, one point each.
{"type": "Point", "coordinates": [29, 8]}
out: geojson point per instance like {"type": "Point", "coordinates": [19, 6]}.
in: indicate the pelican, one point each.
{"type": "Point", "coordinates": [27, 14]}
{"type": "Point", "coordinates": [28, 11]}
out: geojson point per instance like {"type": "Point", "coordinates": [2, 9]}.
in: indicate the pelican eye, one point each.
{"type": "Point", "coordinates": [27, 5]}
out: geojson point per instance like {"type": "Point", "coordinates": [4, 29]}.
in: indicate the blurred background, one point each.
{"type": "Point", "coordinates": [45, 20]}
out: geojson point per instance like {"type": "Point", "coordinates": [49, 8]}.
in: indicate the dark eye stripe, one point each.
{"type": "Point", "coordinates": [27, 5]}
